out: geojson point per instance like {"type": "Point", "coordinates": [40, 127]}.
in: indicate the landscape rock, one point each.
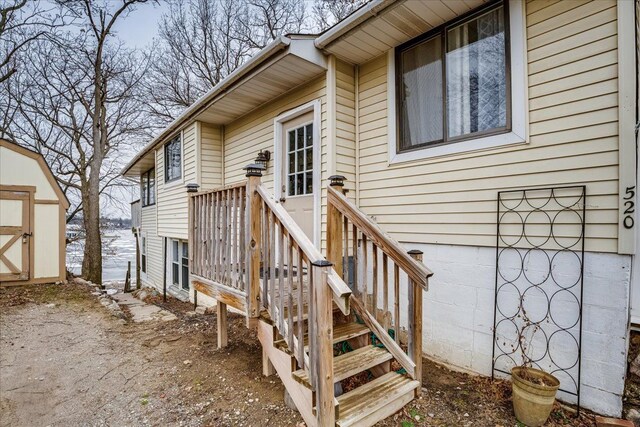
{"type": "Point", "coordinates": [201, 309]}
{"type": "Point", "coordinates": [633, 415]}
{"type": "Point", "coordinates": [635, 366]}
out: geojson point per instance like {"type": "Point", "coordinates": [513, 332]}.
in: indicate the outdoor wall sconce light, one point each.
{"type": "Point", "coordinates": [192, 188]}
{"type": "Point", "coordinates": [263, 158]}
{"type": "Point", "coordinates": [336, 180]}
{"type": "Point", "coordinates": [254, 169]}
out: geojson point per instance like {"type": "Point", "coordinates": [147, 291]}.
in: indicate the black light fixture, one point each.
{"type": "Point", "coordinates": [336, 180]}
{"type": "Point", "coordinates": [263, 158]}
{"type": "Point", "coordinates": [192, 188]}
{"type": "Point", "coordinates": [254, 169]}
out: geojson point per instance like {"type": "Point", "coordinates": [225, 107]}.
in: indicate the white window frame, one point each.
{"type": "Point", "coordinates": [179, 285]}
{"type": "Point", "coordinates": [278, 128]}
{"type": "Point", "coordinates": [177, 181]}
{"type": "Point", "coordinates": [519, 102]}
{"type": "Point", "coordinates": [143, 253]}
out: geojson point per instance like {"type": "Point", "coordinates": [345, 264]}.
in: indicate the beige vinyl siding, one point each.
{"type": "Point", "coordinates": [172, 196]}
{"type": "Point", "coordinates": [153, 277]}
{"type": "Point", "coordinates": [572, 66]}
{"type": "Point", "coordinates": [345, 123]}
{"type": "Point", "coordinates": [245, 137]}
{"type": "Point", "coordinates": [210, 156]}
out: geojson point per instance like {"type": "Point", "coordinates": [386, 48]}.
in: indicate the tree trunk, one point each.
{"type": "Point", "coordinates": [92, 261]}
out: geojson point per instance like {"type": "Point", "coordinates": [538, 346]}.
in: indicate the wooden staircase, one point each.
{"type": "Point", "coordinates": [386, 393]}
{"type": "Point", "coordinates": [320, 320]}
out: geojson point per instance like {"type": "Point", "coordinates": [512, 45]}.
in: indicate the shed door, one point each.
{"type": "Point", "coordinates": [15, 230]}
{"type": "Point", "coordinates": [297, 171]}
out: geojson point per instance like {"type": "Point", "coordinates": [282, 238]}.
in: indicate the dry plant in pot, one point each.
{"type": "Point", "coordinates": [533, 390]}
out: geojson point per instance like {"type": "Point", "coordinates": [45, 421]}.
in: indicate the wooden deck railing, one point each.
{"type": "Point", "coordinates": [374, 264]}
{"type": "Point", "coordinates": [217, 235]}
{"type": "Point", "coordinates": [247, 251]}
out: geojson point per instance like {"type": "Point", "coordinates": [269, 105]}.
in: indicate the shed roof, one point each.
{"type": "Point", "coordinates": [13, 146]}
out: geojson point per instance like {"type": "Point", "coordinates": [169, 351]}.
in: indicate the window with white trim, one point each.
{"type": "Point", "coordinates": [143, 255]}
{"type": "Point", "coordinates": [148, 191]}
{"type": "Point", "coordinates": [173, 160]}
{"type": "Point", "coordinates": [453, 83]}
{"type": "Point", "coordinates": [180, 264]}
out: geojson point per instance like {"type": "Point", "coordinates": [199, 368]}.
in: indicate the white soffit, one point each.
{"type": "Point", "coordinates": [394, 25]}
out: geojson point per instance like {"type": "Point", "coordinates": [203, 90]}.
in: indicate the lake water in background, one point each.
{"type": "Point", "coordinates": [118, 248]}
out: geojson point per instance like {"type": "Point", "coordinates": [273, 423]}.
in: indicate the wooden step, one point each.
{"type": "Point", "coordinates": [341, 333]}
{"type": "Point", "coordinates": [349, 364]}
{"type": "Point", "coordinates": [375, 400]}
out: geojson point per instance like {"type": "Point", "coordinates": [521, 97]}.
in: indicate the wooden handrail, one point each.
{"type": "Point", "coordinates": [341, 292]}
{"type": "Point", "coordinates": [416, 271]}
{"type": "Point", "coordinates": [217, 189]}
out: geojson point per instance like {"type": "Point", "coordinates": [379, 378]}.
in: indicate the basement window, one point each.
{"type": "Point", "coordinates": [143, 255]}
{"type": "Point", "coordinates": [180, 264]}
{"type": "Point", "coordinates": [453, 83]}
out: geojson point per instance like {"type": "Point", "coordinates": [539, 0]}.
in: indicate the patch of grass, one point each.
{"type": "Point", "coordinates": [144, 402]}
{"type": "Point", "coordinates": [407, 424]}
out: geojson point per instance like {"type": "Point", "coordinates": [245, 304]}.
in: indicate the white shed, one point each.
{"type": "Point", "coordinates": [32, 219]}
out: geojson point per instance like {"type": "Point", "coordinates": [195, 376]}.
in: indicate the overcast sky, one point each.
{"type": "Point", "coordinates": [140, 27]}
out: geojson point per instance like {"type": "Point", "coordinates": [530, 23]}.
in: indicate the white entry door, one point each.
{"type": "Point", "coordinates": [297, 171]}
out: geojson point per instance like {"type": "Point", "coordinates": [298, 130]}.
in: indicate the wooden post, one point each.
{"type": "Point", "coordinates": [127, 279]}
{"type": "Point", "coordinates": [334, 228]}
{"type": "Point", "coordinates": [415, 322]}
{"type": "Point", "coordinates": [325, 409]}
{"type": "Point", "coordinates": [267, 367]}
{"type": "Point", "coordinates": [222, 324]}
{"type": "Point", "coordinates": [138, 260]}
{"type": "Point", "coordinates": [253, 241]}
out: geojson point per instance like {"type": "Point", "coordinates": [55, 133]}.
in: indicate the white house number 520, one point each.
{"type": "Point", "coordinates": [629, 205]}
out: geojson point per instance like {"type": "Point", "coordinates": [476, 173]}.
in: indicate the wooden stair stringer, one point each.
{"type": "Point", "coordinates": [282, 362]}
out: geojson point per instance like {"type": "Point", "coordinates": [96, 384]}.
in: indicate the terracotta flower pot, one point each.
{"type": "Point", "coordinates": [534, 392]}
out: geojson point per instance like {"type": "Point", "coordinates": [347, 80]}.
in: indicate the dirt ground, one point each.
{"type": "Point", "coordinates": [64, 360]}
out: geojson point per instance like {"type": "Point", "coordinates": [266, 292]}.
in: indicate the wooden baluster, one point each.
{"type": "Point", "coordinates": [374, 255]}
{"type": "Point", "coordinates": [219, 245]}
{"type": "Point", "coordinates": [216, 235]}
{"type": "Point", "coordinates": [355, 259]}
{"type": "Point", "coordinates": [385, 290]}
{"type": "Point", "coordinates": [300, 281]}
{"type": "Point", "coordinates": [290, 291]}
{"type": "Point", "coordinates": [325, 409]}
{"type": "Point", "coordinates": [281, 290]}
{"type": "Point", "coordinates": [272, 266]}
{"type": "Point", "coordinates": [233, 247]}
{"type": "Point", "coordinates": [208, 235]}
{"type": "Point", "coordinates": [227, 264]}
{"type": "Point", "coordinates": [345, 251]}
{"type": "Point", "coordinates": [415, 322]}
{"type": "Point", "coordinates": [365, 273]}
{"type": "Point", "coordinates": [312, 326]}
{"type": "Point", "coordinates": [244, 240]}
{"type": "Point", "coordinates": [198, 230]}
{"type": "Point", "coordinates": [396, 301]}
{"type": "Point", "coordinates": [265, 256]}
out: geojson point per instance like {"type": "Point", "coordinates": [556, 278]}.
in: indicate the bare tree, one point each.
{"type": "Point", "coordinates": [22, 22]}
{"type": "Point", "coordinates": [328, 12]}
{"type": "Point", "coordinates": [201, 42]}
{"type": "Point", "coordinates": [78, 103]}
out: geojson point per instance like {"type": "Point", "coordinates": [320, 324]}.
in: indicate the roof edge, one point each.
{"type": "Point", "coordinates": [276, 45]}
{"type": "Point", "coordinates": [12, 145]}
{"type": "Point", "coordinates": [361, 15]}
